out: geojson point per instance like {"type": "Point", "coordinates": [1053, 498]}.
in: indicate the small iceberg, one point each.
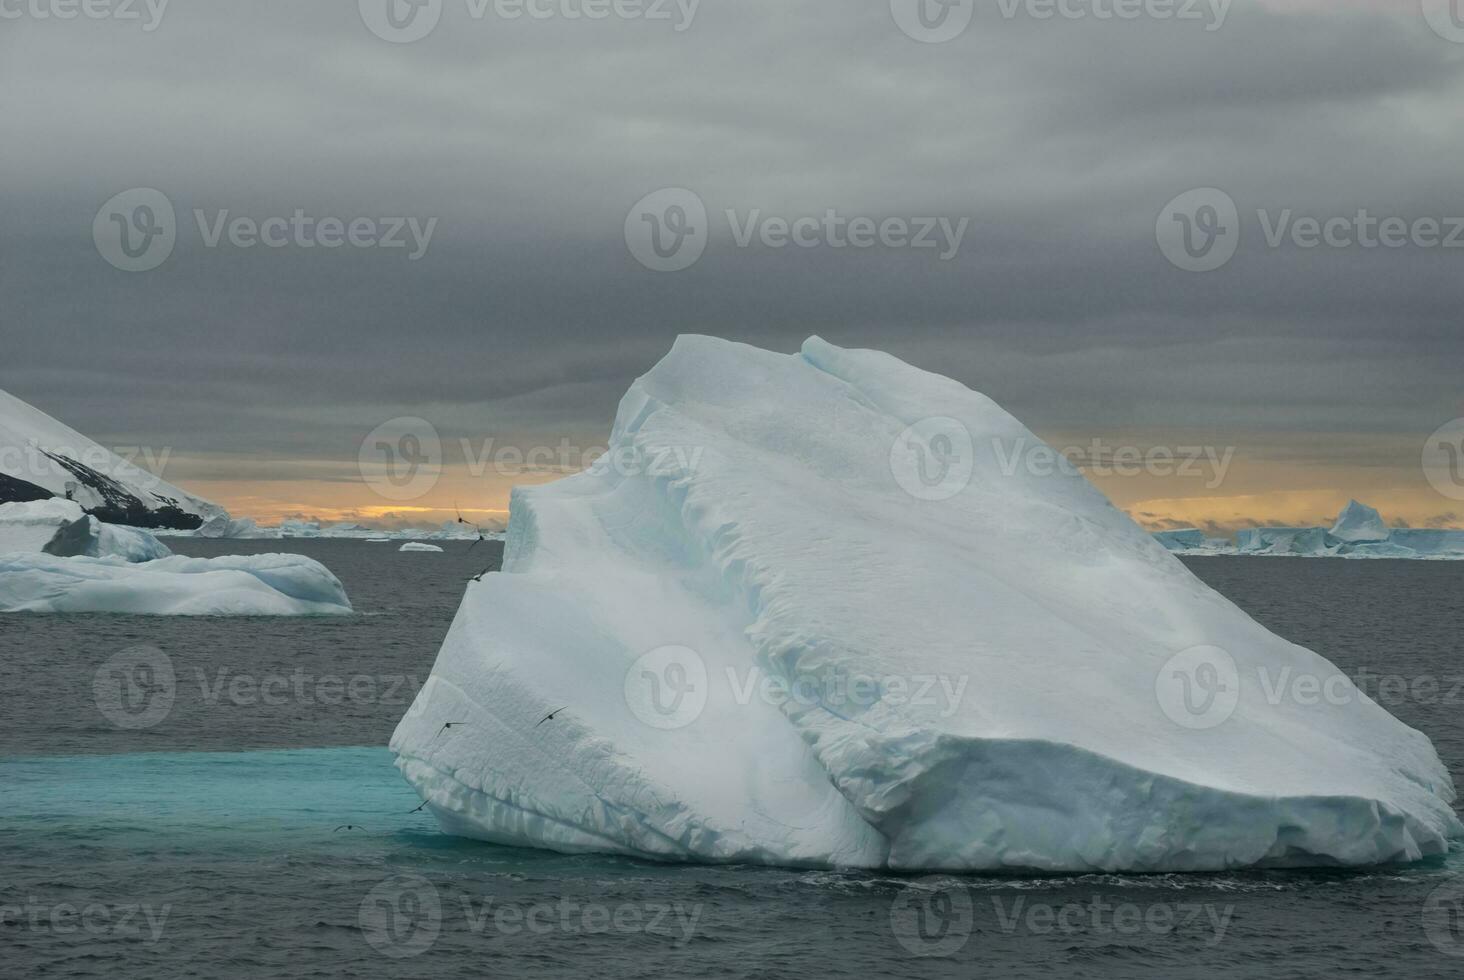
{"type": "Point", "coordinates": [421, 548]}
{"type": "Point", "coordinates": [254, 585]}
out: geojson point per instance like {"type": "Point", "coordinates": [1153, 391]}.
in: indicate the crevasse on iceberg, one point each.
{"type": "Point", "coordinates": [808, 612]}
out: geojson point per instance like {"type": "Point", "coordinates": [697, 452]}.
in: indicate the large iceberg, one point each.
{"type": "Point", "coordinates": [255, 585]}
{"type": "Point", "coordinates": [41, 458]}
{"type": "Point", "coordinates": [803, 614]}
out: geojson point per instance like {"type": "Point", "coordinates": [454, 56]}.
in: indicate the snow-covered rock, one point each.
{"type": "Point", "coordinates": [418, 547]}
{"type": "Point", "coordinates": [1358, 523]}
{"type": "Point", "coordinates": [30, 526]}
{"type": "Point", "coordinates": [90, 538]}
{"type": "Point", "coordinates": [256, 585]}
{"type": "Point", "coordinates": [821, 624]}
{"type": "Point", "coordinates": [41, 458]}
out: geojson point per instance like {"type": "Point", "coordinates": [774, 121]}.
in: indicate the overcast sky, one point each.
{"type": "Point", "coordinates": [1059, 141]}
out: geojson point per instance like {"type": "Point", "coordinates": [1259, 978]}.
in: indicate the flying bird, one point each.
{"type": "Point", "coordinates": [462, 520]}
{"type": "Point", "coordinates": [550, 715]}
{"type": "Point", "coordinates": [347, 826]}
{"type": "Point", "coordinates": [420, 808]}
{"type": "Point", "coordinates": [451, 724]}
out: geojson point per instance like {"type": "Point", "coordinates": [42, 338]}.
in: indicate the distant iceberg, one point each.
{"type": "Point", "coordinates": [806, 619]}
{"type": "Point", "coordinates": [421, 548]}
{"type": "Point", "coordinates": [1359, 532]}
{"type": "Point", "coordinates": [256, 585]}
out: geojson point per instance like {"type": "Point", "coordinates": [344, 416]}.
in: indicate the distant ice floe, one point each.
{"type": "Point", "coordinates": [255, 585]}
{"type": "Point", "coordinates": [418, 547]}
{"type": "Point", "coordinates": [1359, 532]}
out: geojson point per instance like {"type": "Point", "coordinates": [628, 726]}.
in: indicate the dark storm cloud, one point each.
{"type": "Point", "coordinates": [528, 142]}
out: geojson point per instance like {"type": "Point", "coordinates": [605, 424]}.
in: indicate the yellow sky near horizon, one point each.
{"type": "Point", "coordinates": [1189, 481]}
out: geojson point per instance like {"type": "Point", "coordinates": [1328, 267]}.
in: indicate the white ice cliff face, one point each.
{"type": "Point", "coordinates": [808, 612]}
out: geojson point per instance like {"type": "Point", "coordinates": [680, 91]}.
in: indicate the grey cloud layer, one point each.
{"type": "Point", "coordinates": [529, 141]}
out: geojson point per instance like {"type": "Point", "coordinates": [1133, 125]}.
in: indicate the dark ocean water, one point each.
{"type": "Point", "coordinates": [183, 823]}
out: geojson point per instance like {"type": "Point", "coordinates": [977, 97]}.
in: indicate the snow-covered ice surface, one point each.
{"type": "Point", "coordinates": [41, 457]}
{"type": "Point", "coordinates": [256, 585]}
{"type": "Point", "coordinates": [985, 661]}
{"type": "Point", "coordinates": [90, 538]}
{"type": "Point", "coordinates": [30, 526]}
